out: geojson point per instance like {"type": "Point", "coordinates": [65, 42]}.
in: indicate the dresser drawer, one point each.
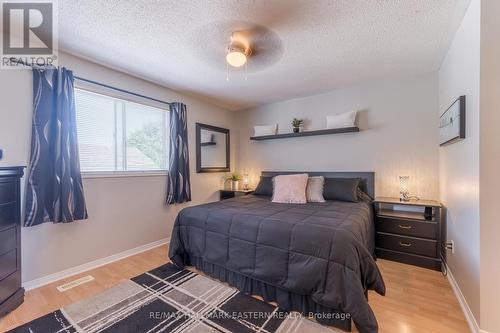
{"type": "Point", "coordinates": [7, 192]}
{"type": "Point", "coordinates": [8, 263]}
{"type": "Point", "coordinates": [418, 246]}
{"type": "Point", "coordinates": [8, 214]}
{"type": "Point", "coordinates": [9, 286]}
{"type": "Point", "coordinates": [408, 258]}
{"type": "Point", "coordinates": [407, 227]}
{"type": "Point", "coordinates": [8, 240]}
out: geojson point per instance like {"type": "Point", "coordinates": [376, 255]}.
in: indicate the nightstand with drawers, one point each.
{"type": "Point", "coordinates": [410, 232]}
{"type": "Point", "coordinates": [228, 194]}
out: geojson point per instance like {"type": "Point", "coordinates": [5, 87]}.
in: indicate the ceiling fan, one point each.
{"type": "Point", "coordinates": [236, 44]}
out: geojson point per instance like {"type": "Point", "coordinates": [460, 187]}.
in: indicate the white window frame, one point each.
{"type": "Point", "coordinates": [123, 173]}
{"type": "Point", "coordinates": [119, 174]}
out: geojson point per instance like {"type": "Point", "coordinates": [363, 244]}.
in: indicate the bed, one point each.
{"type": "Point", "coordinates": [315, 258]}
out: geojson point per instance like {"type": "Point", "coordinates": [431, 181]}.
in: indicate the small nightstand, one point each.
{"type": "Point", "coordinates": [410, 232]}
{"type": "Point", "coordinates": [228, 194]}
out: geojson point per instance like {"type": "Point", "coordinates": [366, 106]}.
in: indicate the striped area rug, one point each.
{"type": "Point", "coordinates": [168, 299]}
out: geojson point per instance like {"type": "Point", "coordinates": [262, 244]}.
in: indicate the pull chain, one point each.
{"type": "Point", "coordinates": [227, 65]}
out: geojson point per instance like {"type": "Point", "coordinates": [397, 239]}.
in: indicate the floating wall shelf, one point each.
{"type": "Point", "coordinates": [306, 133]}
{"type": "Point", "coordinates": [203, 144]}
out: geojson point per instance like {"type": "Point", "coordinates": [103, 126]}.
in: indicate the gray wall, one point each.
{"type": "Point", "coordinates": [124, 213]}
{"type": "Point", "coordinates": [490, 165]}
{"type": "Point", "coordinates": [398, 135]}
{"type": "Point", "coordinates": [459, 162]}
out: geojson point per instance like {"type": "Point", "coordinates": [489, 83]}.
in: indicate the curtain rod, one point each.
{"type": "Point", "coordinates": [119, 89]}
{"type": "Point", "coordinates": [99, 84]}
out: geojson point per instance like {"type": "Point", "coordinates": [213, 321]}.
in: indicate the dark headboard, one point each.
{"type": "Point", "coordinates": [367, 183]}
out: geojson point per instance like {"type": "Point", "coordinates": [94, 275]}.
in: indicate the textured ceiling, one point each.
{"type": "Point", "coordinates": [304, 46]}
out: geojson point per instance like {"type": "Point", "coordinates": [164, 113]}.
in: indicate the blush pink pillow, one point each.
{"type": "Point", "coordinates": [290, 188]}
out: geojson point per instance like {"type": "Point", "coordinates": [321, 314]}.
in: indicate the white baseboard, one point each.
{"type": "Point", "coordinates": [28, 285]}
{"type": "Point", "coordinates": [469, 316]}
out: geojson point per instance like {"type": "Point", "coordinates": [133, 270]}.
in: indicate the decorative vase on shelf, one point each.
{"type": "Point", "coordinates": [235, 184]}
{"type": "Point", "coordinates": [296, 129]}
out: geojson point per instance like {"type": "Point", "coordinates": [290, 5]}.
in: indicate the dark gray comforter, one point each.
{"type": "Point", "coordinates": [319, 249]}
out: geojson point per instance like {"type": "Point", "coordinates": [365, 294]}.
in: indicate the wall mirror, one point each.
{"type": "Point", "coordinates": [212, 148]}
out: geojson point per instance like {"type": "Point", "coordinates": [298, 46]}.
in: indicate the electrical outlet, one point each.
{"type": "Point", "coordinates": [450, 246]}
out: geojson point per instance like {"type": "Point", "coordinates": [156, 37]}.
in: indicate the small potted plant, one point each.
{"type": "Point", "coordinates": [235, 181]}
{"type": "Point", "coordinates": [296, 123]}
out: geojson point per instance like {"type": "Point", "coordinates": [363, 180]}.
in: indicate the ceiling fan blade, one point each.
{"type": "Point", "coordinates": [211, 44]}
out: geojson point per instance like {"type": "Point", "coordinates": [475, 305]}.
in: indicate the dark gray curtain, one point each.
{"type": "Point", "coordinates": [54, 185]}
{"type": "Point", "coordinates": [178, 184]}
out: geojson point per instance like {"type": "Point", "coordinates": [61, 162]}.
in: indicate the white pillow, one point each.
{"type": "Point", "coordinates": [347, 119]}
{"type": "Point", "coordinates": [290, 188]}
{"type": "Point", "coordinates": [265, 130]}
{"type": "Point", "coordinates": [206, 136]}
{"type": "Point", "coordinates": [314, 190]}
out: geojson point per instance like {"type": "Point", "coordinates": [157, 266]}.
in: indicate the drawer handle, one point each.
{"type": "Point", "coordinates": [407, 244]}
{"type": "Point", "coordinates": [408, 227]}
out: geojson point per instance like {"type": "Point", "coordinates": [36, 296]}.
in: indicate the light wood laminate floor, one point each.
{"type": "Point", "coordinates": [417, 300]}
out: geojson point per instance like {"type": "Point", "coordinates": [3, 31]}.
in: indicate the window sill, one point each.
{"type": "Point", "coordinates": [119, 174]}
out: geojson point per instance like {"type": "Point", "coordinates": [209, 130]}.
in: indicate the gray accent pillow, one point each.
{"type": "Point", "coordinates": [314, 190]}
{"type": "Point", "coordinates": [341, 189]}
{"type": "Point", "coordinates": [362, 196]}
{"type": "Point", "coordinates": [265, 186]}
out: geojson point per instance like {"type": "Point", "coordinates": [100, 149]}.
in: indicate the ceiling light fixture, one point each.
{"type": "Point", "coordinates": [238, 52]}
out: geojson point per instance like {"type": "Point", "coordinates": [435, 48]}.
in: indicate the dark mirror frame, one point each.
{"type": "Point", "coordinates": [199, 169]}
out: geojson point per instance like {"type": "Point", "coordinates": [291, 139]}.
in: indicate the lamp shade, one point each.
{"type": "Point", "coordinates": [404, 192]}
{"type": "Point", "coordinates": [246, 181]}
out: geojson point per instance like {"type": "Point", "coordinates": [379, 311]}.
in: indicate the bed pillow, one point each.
{"type": "Point", "coordinates": [290, 188]}
{"type": "Point", "coordinates": [314, 190]}
{"type": "Point", "coordinates": [341, 189]}
{"type": "Point", "coordinates": [265, 186]}
{"type": "Point", "coordinates": [362, 196]}
{"type": "Point", "coordinates": [265, 130]}
{"type": "Point", "coordinates": [347, 119]}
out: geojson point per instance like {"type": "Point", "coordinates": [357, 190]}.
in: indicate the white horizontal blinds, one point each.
{"type": "Point", "coordinates": [96, 131]}
{"type": "Point", "coordinates": [119, 135]}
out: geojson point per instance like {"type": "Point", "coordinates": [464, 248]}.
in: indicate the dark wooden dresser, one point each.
{"type": "Point", "coordinates": [405, 233]}
{"type": "Point", "coordinates": [11, 292]}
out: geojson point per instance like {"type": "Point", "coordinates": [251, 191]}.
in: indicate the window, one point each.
{"type": "Point", "coordinates": [119, 135]}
